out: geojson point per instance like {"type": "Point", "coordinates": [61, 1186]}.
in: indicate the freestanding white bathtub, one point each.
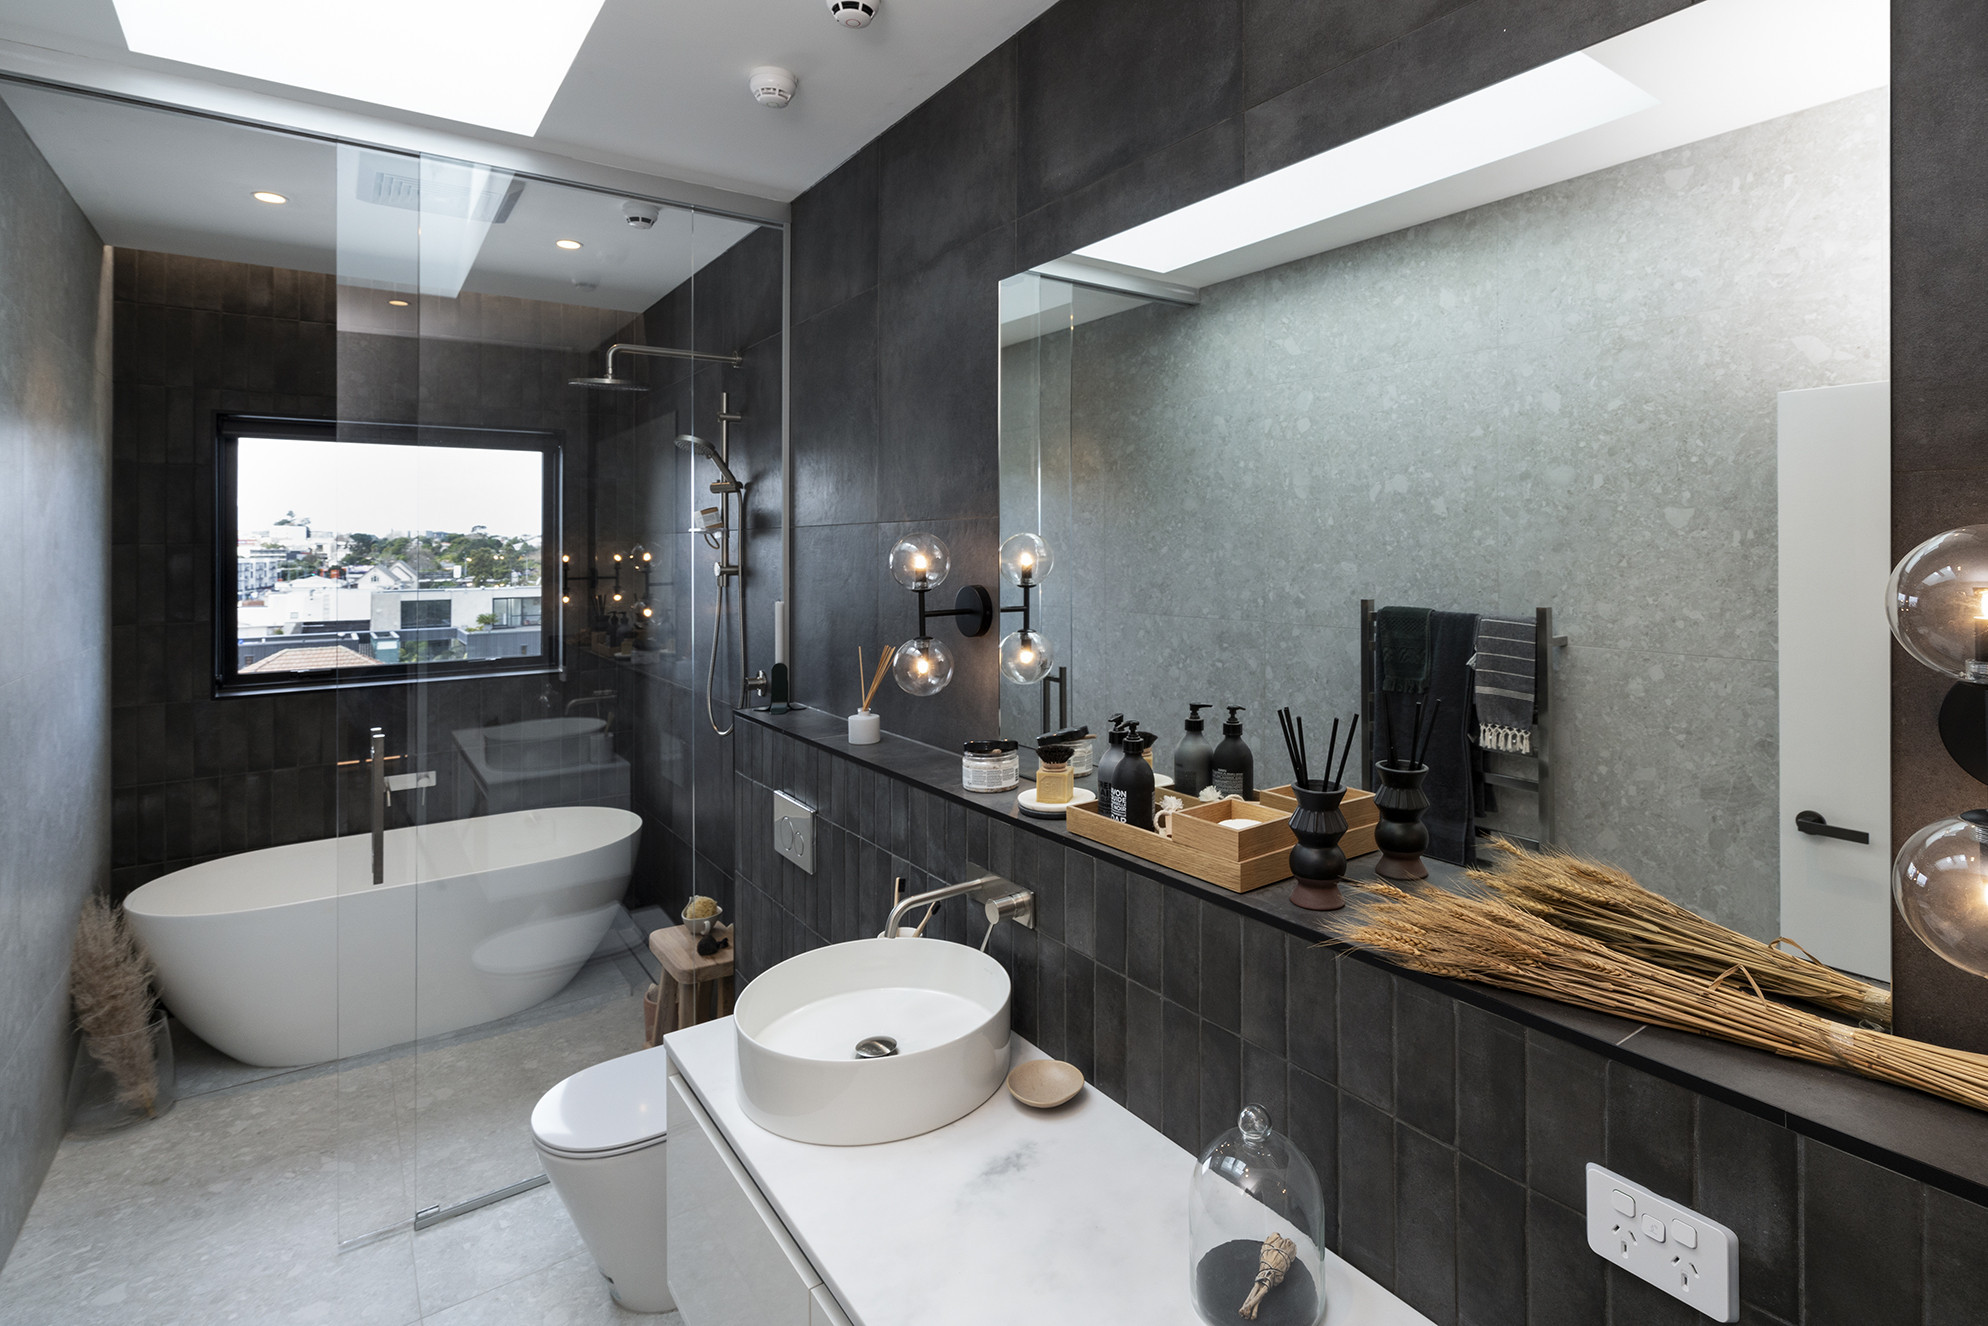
{"type": "Point", "coordinates": [292, 955]}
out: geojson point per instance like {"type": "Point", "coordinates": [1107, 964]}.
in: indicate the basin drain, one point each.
{"type": "Point", "coordinates": [876, 1047]}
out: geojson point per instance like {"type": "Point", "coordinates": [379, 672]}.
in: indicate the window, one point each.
{"type": "Point", "coordinates": [372, 553]}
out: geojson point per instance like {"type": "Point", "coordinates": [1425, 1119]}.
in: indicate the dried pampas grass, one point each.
{"type": "Point", "coordinates": [1605, 904]}
{"type": "Point", "coordinates": [110, 983]}
{"type": "Point", "coordinates": [1474, 935]}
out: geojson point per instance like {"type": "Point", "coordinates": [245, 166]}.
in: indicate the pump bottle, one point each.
{"type": "Point", "coordinates": [1234, 765]}
{"type": "Point", "coordinates": [1193, 758]}
{"type": "Point", "coordinates": [1132, 784]}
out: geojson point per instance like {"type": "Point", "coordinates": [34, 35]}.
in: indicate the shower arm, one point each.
{"type": "Point", "coordinates": [735, 359]}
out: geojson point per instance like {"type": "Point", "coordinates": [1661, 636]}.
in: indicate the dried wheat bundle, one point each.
{"type": "Point", "coordinates": [1473, 935]}
{"type": "Point", "coordinates": [110, 982]}
{"type": "Point", "coordinates": [1605, 904]}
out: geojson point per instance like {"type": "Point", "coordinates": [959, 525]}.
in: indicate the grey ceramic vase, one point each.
{"type": "Point", "coordinates": [1401, 835]}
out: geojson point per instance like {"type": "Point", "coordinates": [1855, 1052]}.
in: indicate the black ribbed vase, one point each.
{"type": "Point", "coordinates": [1317, 861]}
{"type": "Point", "coordinates": [1401, 835]}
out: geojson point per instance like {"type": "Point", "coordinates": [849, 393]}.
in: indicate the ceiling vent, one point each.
{"type": "Point", "coordinates": [853, 13]}
{"type": "Point", "coordinates": [391, 181]}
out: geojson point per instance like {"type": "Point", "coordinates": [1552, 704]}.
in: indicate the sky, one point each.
{"type": "Point", "coordinates": [372, 488]}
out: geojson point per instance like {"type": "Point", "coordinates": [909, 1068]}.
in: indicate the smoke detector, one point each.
{"type": "Point", "coordinates": [853, 13]}
{"type": "Point", "coordinates": [773, 86]}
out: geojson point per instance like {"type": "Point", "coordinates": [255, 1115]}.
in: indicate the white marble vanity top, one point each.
{"type": "Point", "coordinates": [1008, 1217]}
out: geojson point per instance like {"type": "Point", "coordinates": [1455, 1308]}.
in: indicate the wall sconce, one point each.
{"type": "Point", "coordinates": [635, 559]}
{"type": "Point", "coordinates": [1025, 653]}
{"type": "Point", "coordinates": [1938, 605]}
{"type": "Point", "coordinates": [921, 562]}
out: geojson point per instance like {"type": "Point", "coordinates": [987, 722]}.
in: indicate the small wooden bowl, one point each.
{"type": "Point", "coordinates": [1044, 1084]}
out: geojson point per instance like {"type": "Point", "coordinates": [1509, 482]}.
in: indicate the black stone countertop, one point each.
{"type": "Point", "coordinates": [1932, 1140]}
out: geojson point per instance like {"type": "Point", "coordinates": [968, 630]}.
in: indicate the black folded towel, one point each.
{"type": "Point", "coordinates": [1451, 817]}
{"type": "Point", "coordinates": [1505, 692]}
{"type": "Point", "coordinates": [1401, 643]}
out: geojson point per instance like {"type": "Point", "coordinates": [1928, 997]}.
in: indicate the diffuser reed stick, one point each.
{"type": "Point", "coordinates": [1339, 776]}
{"type": "Point", "coordinates": [1422, 748]}
{"type": "Point", "coordinates": [883, 667]}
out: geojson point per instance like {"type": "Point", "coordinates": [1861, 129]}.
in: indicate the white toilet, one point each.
{"type": "Point", "coordinates": [601, 1134]}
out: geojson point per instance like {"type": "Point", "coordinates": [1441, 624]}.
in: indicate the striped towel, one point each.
{"type": "Point", "coordinates": [1504, 687]}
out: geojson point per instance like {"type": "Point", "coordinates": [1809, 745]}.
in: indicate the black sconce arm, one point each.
{"type": "Point", "coordinates": [972, 606]}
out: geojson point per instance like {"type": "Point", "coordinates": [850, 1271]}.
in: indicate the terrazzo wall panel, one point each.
{"type": "Point", "coordinates": [1450, 1141]}
{"type": "Point", "coordinates": [55, 394]}
{"type": "Point", "coordinates": [1565, 399]}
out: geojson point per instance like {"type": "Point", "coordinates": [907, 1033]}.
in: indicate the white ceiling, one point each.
{"type": "Point", "coordinates": [659, 86]}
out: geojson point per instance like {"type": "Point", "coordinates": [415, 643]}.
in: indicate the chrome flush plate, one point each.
{"type": "Point", "coordinates": [794, 831]}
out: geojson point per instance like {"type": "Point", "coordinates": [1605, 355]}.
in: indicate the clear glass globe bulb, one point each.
{"type": "Point", "coordinates": [1025, 657]}
{"type": "Point", "coordinates": [1940, 883]}
{"type": "Point", "coordinates": [1938, 603]}
{"type": "Point", "coordinates": [920, 561]}
{"type": "Point", "coordinates": [1026, 559]}
{"type": "Point", "coordinates": [922, 667]}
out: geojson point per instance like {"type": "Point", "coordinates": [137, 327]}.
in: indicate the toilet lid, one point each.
{"type": "Point", "coordinates": [612, 1105]}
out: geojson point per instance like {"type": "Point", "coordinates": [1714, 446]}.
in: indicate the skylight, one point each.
{"type": "Point", "coordinates": [496, 63]}
{"type": "Point", "coordinates": [1541, 106]}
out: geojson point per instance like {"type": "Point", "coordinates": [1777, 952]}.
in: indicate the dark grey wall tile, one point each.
{"type": "Point", "coordinates": [1366, 1187]}
{"type": "Point", "coordinates": [1182, 941]}
{"type": "Point", "coordinates": [835, 237]}
{"type": "Point", "coordinates": [1650, 1131]}
{"type": "Point", "coordinates": [1145, 1061]}
{"type": "Point", "coordinates": [1181, 1089]}
{"type": "Point", "coordinates": [1221, 1083]}
{"type": "Point", "coordinates": [1263, 993]}
{"type": "Point", "coordinates": [1080, 902]}
{"type": "Point", "coordinates": [1491, 1247]}
{"type": "Point", "coordinates": [1425, 1059]}
{"type": "Point", "coordinates": [1566, 1284]}
{"type": "Point", "coordinates": [1749, 1179]}
{"type": "Point", "coordinates": [1366, 1032]}
{"type": "Point", "coordinates": [836, 423]}
{"type": "Point", "coordinates": [1092, 77]}
{"type": "Point", "coordinates": [1109, 913]}
{"type": "Point", "coordinates": [1565, 1102]}
{"type": "Point", "coordinates": [1144, 931]}
{"type": "Point", "coordinates": [1863, 1256]}
{"type": "Point", "coordinates": [1052, 998]}
{"type": "Point", "coordinates": [1221, 967]}
{"type": "Point", "coordinates": [1634, 1302]}
{"type": "Point", "coordinates": [1425, 1234]}
{"type": "Point", "coordinates": [1196, 167]}
{"type": "Point", "coordinates": [1080, 1012]}
{"type": "Point", "coordinates": [1956, 1272]}
{"type": "Point", "coordinates": [1491, 1091]}
{"type": "Point", "coordinates": [1311, 1007]}
{"type": "Point", "coordinates": [1288, 42]}
{"type": "Point", "coordinates": [1109, 1031]}
{"type": "Point", "coordinates": [948, 172]}
{"type": "Point", "coordinates": [1314, 1127]}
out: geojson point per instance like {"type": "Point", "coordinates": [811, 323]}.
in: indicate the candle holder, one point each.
{"type": "Point", "coordinates": [1401, 835]}
{"type": "Point", "coordinates": [1317, 861]}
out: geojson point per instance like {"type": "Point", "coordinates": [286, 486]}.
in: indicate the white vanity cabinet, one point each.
{"type": "Point", "coordinates": [732, 1263]}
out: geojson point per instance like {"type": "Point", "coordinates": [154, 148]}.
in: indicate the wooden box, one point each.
{"type": "Point", "coordinates": [1199, 827]}
{"type": "Point", "coordinates": [1237, 876]}
{"type": "Point", "coordinates": [1358, 808]}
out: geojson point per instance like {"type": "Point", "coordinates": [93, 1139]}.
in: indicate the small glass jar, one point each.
{"type": "Point", "coordinates": [1256, 1224]}
{"type": "Point", "coordinates": [991, 765]}
{"type": "Point", "coordinates": [1054, 783]}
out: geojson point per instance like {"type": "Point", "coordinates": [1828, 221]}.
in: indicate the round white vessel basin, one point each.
{"type": "Point", "coordinates": [943, 1005]}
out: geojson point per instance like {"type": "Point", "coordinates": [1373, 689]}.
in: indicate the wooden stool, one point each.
{"type": "Point", "coordinates": [684, 972]}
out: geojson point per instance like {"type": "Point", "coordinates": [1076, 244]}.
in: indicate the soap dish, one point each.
{"type": "Point", "coordinates": [1028, 805]}
{"type": "Point", "coordinates": [1044, 1084]}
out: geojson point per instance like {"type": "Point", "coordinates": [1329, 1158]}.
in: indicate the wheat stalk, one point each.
{"type": "Point", "coordinates": [1474, 935]}
{"type": "Point", "coordinates": [110, 983]}
{"type": "Point", "coordinates": [1606, 904]}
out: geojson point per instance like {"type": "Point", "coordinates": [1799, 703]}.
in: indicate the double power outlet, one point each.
{"type": "Point", "coordinates": [1692, 1258]}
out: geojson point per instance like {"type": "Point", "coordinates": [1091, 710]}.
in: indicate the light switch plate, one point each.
{"type": "Point", "coordinates": [794, 831]}
{"type": "Point", "coordinates": [1692, 1258]}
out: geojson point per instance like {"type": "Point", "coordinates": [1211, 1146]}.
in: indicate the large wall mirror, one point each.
{"type": "Point", "coordinates": [1611, 339]}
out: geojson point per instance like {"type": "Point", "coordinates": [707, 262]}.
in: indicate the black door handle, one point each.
{"type": "Point", "coordinates": [1810, 822]}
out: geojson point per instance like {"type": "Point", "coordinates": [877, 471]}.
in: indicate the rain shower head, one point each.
{"type": "Point", "coordinates": [691, 442]}
{"type": "Point", "coordinates": [609, 383]}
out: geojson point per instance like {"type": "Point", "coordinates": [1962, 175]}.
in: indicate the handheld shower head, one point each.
{"type": "Point", "coordinates": [692, 443]}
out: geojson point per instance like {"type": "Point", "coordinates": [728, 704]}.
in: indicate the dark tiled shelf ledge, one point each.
{"type": "Point", "coordinates": [1929, 1139]}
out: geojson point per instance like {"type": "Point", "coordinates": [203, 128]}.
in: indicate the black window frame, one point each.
{"type": "Point", "coordinates": [229, 429]}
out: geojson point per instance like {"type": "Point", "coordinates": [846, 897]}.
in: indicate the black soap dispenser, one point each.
{"type": "Point", "coordinates": [1114, 751]}
{"type": "Point", "coordinates": [1131, 796]}
{"type": "Point", "coordinates": [1234, 765]}
{"type": "Point", "coordinates": [1193, 758]}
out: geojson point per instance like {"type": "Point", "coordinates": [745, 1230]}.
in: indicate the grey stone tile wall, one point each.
{"type": "Point", "coordinates": [1451, 1141]}
{"type": "Point", "coordinates": [1566, 399]}
{"type": "Point", "coordinates": [55, 589]}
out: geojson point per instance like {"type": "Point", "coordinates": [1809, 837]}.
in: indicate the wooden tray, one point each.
{"type": "Point", "coordinates": [1088, 821]}
{"type": "Point", "coordinates": [1358, 808]}
{"type": "Point", "coordinates": [1199, 828]}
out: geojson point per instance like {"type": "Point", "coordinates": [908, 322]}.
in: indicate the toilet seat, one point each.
{"type": "Point", "coordinates": [610, 1109]}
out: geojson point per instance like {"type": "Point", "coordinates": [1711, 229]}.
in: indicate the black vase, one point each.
{"type": "Point", "coordinates": [1401, 835]}
{"type": "Point", "coordinates": [1317, 861]}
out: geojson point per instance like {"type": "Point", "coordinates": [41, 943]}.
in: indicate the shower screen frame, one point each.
{"type": "Point", "coordinates": [230, 429]}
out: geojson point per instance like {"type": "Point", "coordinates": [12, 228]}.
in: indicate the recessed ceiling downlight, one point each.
{"type": "Point", "coordinates": [397, 303]}
{"type": "Point", "coordinates": [265, 196]}
{"type": "Point", "coordinates": [567, 244]}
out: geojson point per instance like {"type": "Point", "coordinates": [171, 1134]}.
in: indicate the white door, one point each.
{"type": "Point", "coordinates": [1835, 672]}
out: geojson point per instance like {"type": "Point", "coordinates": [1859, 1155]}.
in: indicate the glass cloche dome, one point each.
{"type": "Point", "coordinates": [1256, 1223]}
